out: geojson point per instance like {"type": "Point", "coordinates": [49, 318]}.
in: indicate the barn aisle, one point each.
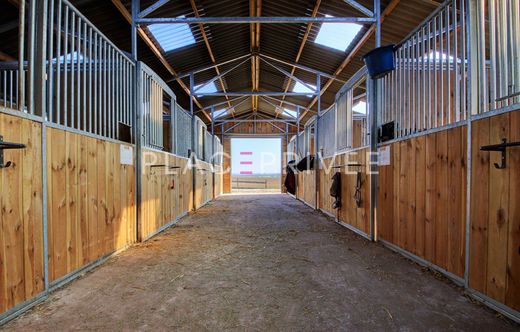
{"type": "Point", "coordinates": [259, 262]}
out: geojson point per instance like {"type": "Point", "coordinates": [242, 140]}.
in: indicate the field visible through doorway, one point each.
{"type": "Point", "coordinates": [256, 165]}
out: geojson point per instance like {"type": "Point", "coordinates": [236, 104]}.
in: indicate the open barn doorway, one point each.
{"type": "Point", "coordinates": [256, 165]}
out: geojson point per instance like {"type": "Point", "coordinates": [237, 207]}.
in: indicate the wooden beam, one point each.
{"type": "Point", "coordinates": [128, 17]}
{"type": "Point", "coordinates": [252, 28]}
{"type": "Point", "coordinates": [388, 10]}
{"type": "Point", "coordinates": [210, 51]}
{"type": "Point", "coordinates": [302, 46]}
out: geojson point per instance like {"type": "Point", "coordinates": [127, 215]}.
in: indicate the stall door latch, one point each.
{"type": "Point", "coordinates": [7, 145]}
{"type": "Point", "coordinates": [500, 148]}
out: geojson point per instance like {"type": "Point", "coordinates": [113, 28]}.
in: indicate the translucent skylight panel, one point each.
{"type": "Point", "coordinates": [337, 35]}
{"type": "Point", "coordinates": [172, 36]}
{"type": "Point", "coordinates": [300, 88]}
{"type": "Point", "coordinates": [290, 113]}
{"type": "Point", "coordinates": [206, 89]}
{"type": "Point", "coordinates": [219, 113]}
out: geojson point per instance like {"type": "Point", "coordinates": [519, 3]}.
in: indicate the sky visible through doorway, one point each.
{"type": "Point", "coordinates": [256, 156]}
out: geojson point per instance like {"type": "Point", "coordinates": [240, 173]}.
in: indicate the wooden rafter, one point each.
{"type": "Point", "coordinates": [302, 46]}
{"type": "Point", "coordinates": [255, 9]}
{"type": "Point", "coordinates": [210, 51]}
{"type": "Point", "coordinates": [126, 14]}
{"type": "Point", "coordinates": [388, 10]}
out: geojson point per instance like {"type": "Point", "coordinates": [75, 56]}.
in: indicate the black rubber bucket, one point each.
{"type": "Point", "coordinates": [380, 61]}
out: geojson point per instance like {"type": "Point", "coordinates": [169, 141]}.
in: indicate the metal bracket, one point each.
{"type": "Point", "coordinates": [500, 148]}
{"type": "Point", "coordinates": [6, 146]}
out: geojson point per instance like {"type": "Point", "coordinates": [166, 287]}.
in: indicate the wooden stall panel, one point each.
{"type": "Point", "coordinates": [326, 172]}
{"type": "Point", "coordinates": [495, 215]}
{"type": "Point", "coordinates": [306, 187]}
{"type": "Point", "coordinates": [21, 222]}
{"type": "Point", "coordinates": [203, 184]}
{"type": "Point", "coordinates": [422, 196]}
{"type": "Point", "coordinates": [350, 213]}
{"type": "Point", "coordinates": [166, 190]}
{"type": "Point", "coordinates": [226, 177]}
{"type": "Point", "coordinates": [218, 180]}
{"type": "Point", "coordinates": [91, 201]}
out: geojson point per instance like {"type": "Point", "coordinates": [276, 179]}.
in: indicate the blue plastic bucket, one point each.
{"type": "Point", "coordinates": [380, 61]}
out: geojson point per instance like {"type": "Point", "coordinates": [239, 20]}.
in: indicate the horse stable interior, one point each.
{"type": "Point", "coordinates": [399, 122]}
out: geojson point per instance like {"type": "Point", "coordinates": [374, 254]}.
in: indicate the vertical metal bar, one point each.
{"type": "Point", "coordinates": [118, 93]}
{"type": "Point", "coordinates": [31, 56]}
{"type": "Point", "coordinates": [317, 161]}
{"type": "Point", "coordinates": [96, 84]}
{"type": "Point", "coordinates": [85, 62]}
{"type": "Point", "coordinates": [464, 58]}
{"type": "Point", "coordinates": [78, 82]}
{"type": "Point", "coordinates": [448, 66]}
{"type": "Point", "coordinates": [481, 24]}
{"type": "Point", "coordinates": [65, 91]}
{"type": "Point", "coordinates": [10, 89]}
{"type": "Point", "coordinates": [72, 57]}
{"type": "Point", "coordinates": [90, 81]}
{"type": "Point", "coordinates": [112, 95]}
{"type": "Point", "coordinates": [413, 83]}
{"type": "Point", "coordinates": [21, 57]}
{"type": "Point", "coordinates": [472, 30]}
{"type": "Point", "coordinates": [456, 60]}
{"type": "Point", "coordinates": [373, 133]}
{"type": "Point", "coordinates": [423, 75]}
{"type": "Point", "coordinates": [136, 115]}
{"type": "Point", "coordinates": [58, 64]}
{"type": "Point", "coordinates": [441, 67]}
{"type": "Point", "coordinates": [106, 133]}
{"type": "Point", "coordinates": [124, 88]}
{"type": "Point", "coordinates": [39, 44]}
{"type": "Point", "coordinates": [435, 76]}
{"type": "Point", "coordinates": [409, 87]}
{"type": "Point", "coordinates": [503, 44]}
{"type": "Point", "coordinates": [429, 73]}
{"type": "Point", "coordinates": [516, 44]}
{"type": "Point", "coordinates": [50, 64]}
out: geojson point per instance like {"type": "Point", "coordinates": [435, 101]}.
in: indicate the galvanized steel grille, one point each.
{"type": "Point", "coordinates": [89, 80]}
{"type": "Point", "coordinates": [327, 133]}
{"type": "Point", "coordinates": [182, 132]}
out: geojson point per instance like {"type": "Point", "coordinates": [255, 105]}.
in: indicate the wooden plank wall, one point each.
{"type": "Point", "coordinates": [203, 184]}
{"type": "Point", "coordinates": [422, 198]}
{"type": "Point", "coordinates": [219, 177]}
{"type": "Point", "coordinates": [326, 173]}
{"type": "Point", "coordinates": [305, 187]}
{"type": "Point", "coordinates": [21, 222]}
{"type": "Point", "coordinates": [350, 213]}
{"type": "Point", "coordinates": [226, 179]}
{"type": "Point", "coordinates": [166, 192]}
{"type": "Point", "coordinates": [91, 201]}
{"type": "Point", "coordinates": [494, 267]}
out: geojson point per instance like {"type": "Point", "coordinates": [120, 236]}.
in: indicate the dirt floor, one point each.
{"type": "Point", "coordinates": [264, 262]}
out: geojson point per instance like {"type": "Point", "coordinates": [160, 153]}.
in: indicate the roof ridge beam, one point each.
{"type": "Point", "coordinates": [254, 19]}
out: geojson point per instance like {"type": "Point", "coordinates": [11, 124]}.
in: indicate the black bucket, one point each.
{"type": "Point", "coordinates": [380, 61]}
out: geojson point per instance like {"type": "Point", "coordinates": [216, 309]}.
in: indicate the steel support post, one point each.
{"type": "Point", "coordinates": [373, 114]}
{"type": "Point", "coordinates": [137, 130]}
{"type": "Point", "coordinates": [193, 156]}
{"type": "Point", "coordinates": [213, 146]}
{"type": "Point", "coordinates": [317, 146]}
{"type": "Point", "coordinates": [297, 148]}
{"type": "Point", "coordinates": [38, 102]}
